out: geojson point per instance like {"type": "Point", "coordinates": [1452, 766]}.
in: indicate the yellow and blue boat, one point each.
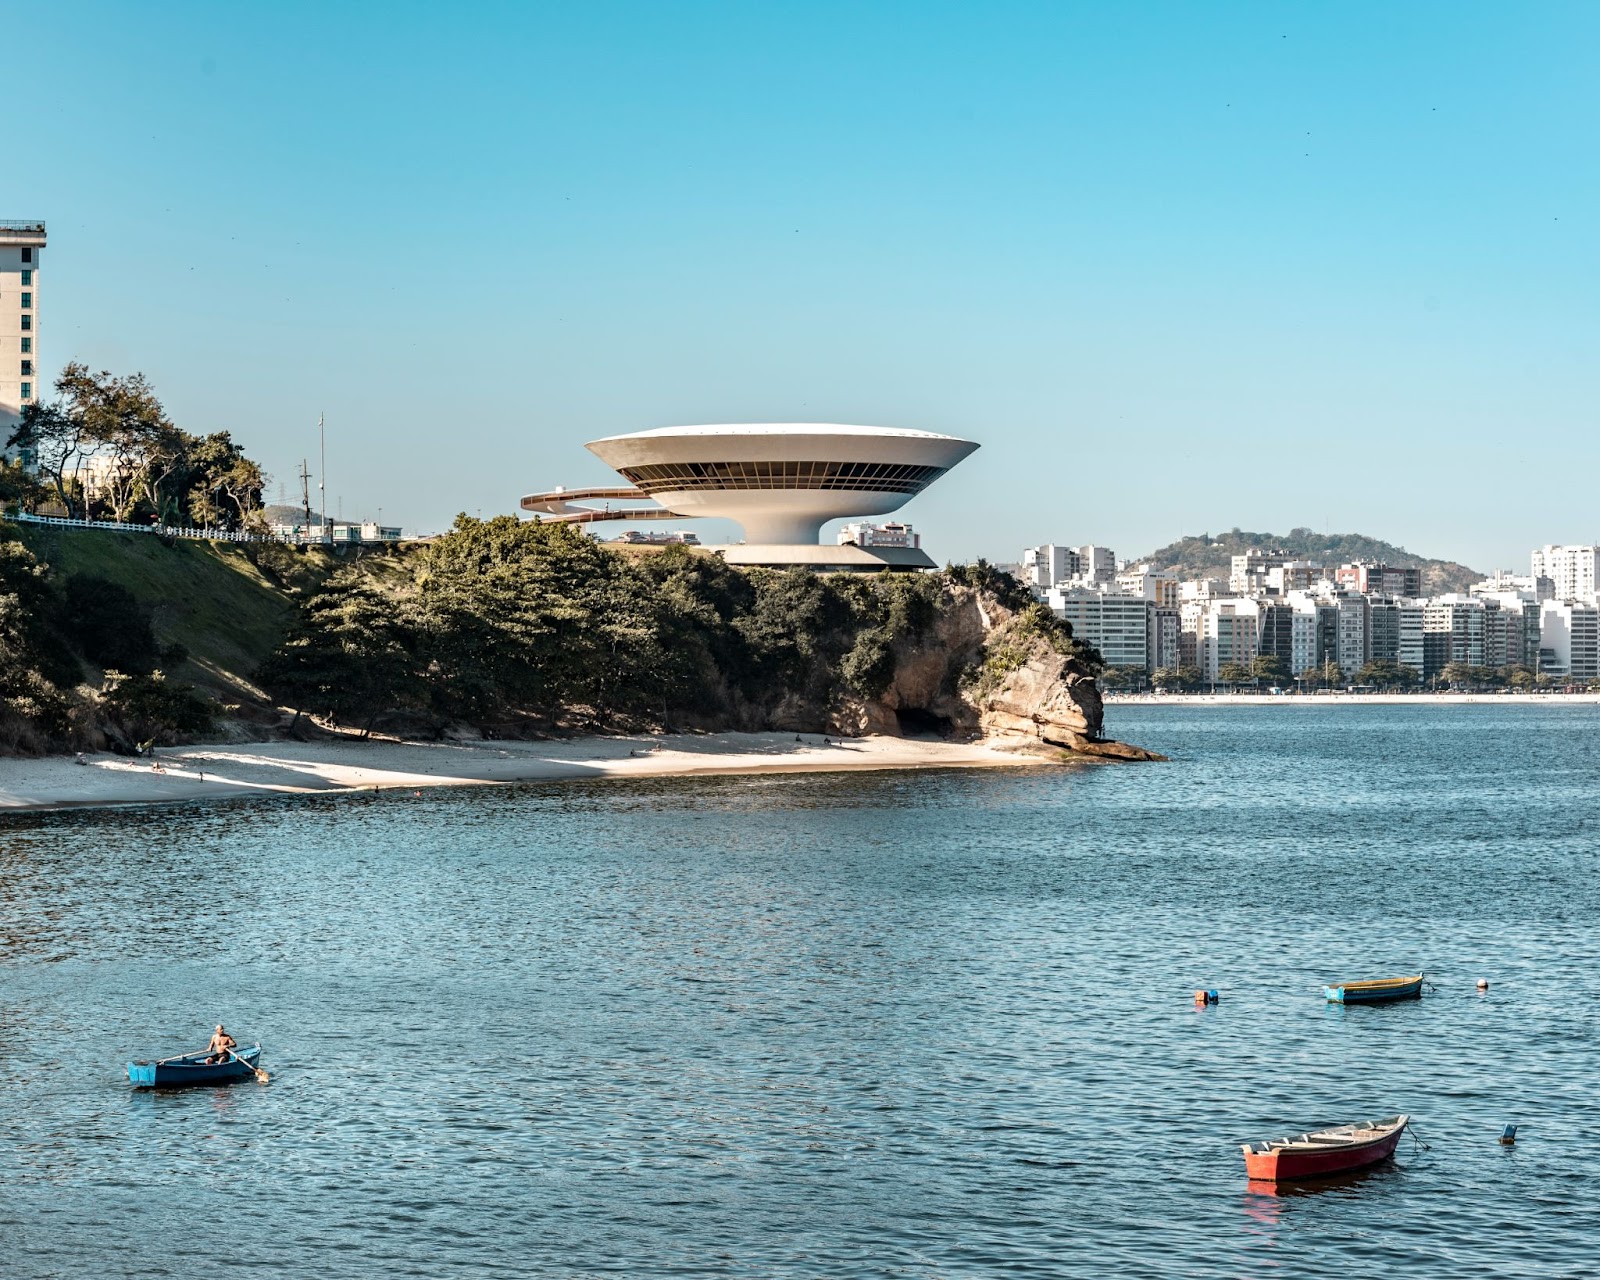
{"type": "Point", "coordinates": [1380, 991]}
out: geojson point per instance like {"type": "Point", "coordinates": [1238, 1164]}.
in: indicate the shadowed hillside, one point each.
{"type": "Point", "coordinates": [224, 605]}
{"type": "Point", "coordinates": [1212, 557]}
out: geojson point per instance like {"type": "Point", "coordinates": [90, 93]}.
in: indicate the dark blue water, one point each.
{"type": "Point", "coordinates": [931, 1024]}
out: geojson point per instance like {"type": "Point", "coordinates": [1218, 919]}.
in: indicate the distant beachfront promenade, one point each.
{"type": "Point", "coordinates": [1351, 699]}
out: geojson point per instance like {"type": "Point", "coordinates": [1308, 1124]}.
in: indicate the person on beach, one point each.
{"type": "Point", "coordinates": [222, 1044]}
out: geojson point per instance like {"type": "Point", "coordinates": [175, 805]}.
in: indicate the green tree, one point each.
{"type": "Point", "coordinates": [1270, 668]}
{"type": "Point", "coordinates": [224, 485]}
{"type": "Point", "coordinates": [1177, 679]}
{"type": "Point", "coordinates": [18, 487]}
{"type": "Point", "coordinates": [348, 659]}
{"type": "Point", "coordinates": [1466, 675]}
{"type": "Point", "coordinates": [1124, 678]}
{"type": "Point", "coordinates": [121, 419]}
{"type": "Point", "coordinates": [1233, 673]}
{"type": "Point", "coordinates": [33, 661]}
{"type": "Point", "coordinates": [148, 708]}
{"type": "Point", "coordinates": [107, 625]}
{"type": "Point", "coordinates": [1387, 674]}
{"type": "Point", "coordinates": [1518, 676]}
{"type": "Point", "coordinates": [58, 441]}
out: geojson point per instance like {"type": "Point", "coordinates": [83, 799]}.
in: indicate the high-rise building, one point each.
{"type": "Point", "coordinates": [1249, 571]}
{"type": "Point", "coordinates": [1573, 571]}
{"type": "Point", "coordinates": [1276, 636]}
{"type": "Point", "coordinates": [1165, 638]}
{"type": "Point", "coordinates": [1099, 564]}
{"type": "Point", "coordinates": [1452, 627]}
{"type": "Point", "coordinates": [1351, 654]}
{"type": "Point", "coordinates": [1569, 643]}
{"type": "Point", "coordinates": [1383, 630]}
{"type": "Point", "coordinates": [1160, 585]}
{"type": "Point", "coordinates": [1412, 651]}
{"type": "Point", "coordinates": [1049, 565]}
{"type": "Point", "coordinates": [1228, 635]}
{"type": "Point", "coordinates": [1294, 575]}
{"type": "Point", "coordinates": [1369, 578]}
{"type": "Point", "coordinates": [1114, 622]}
{"type": "Point", "coordinates": [21, 246]}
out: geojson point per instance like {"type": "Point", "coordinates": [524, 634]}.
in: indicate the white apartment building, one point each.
{"type": "Point", "coordinates": [863, 533]}
{"type": "Point", "coordinates": [1352, 644]}
{"type": "Point", "coordinates": [1503, 582]}
{"type": "Point", "coordinates": [1572, 571]}
{"type": "Point", "coordinates": [1569, 639]}
{"type": "Point", "coordinates": [1097, 564]}
{"type": "Point", "coordinates": [21, 246]}
{"type": "Point", "coordinates": [1050, 565]}
{"type": "Point", "coordinates": [1303, 638]}
{"type": "Point", "coordinates": [1294, 575]}
{"type": "Point", "coordinates": [1249, 571]}
{"type": "Point", "coordinates": [1114, 622]}
{"type": "Point", "coordinates": [1201, 589]}
{"type": "Point", "coordinates": [1228, 633]}
{"type": "Point", "coordinates": [1159, 585]}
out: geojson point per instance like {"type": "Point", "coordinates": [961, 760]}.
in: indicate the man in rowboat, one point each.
{"type": "Point", "coordinates": [221, 1046]}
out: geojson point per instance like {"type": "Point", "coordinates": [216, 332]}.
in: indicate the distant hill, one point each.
{"type": "Point", "coordinates": [1212, 557]}
{"type": "Point", "coordinates": [282, 513]}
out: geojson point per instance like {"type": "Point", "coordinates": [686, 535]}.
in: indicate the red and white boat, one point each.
{"type": "Point", "coordinates": [1325, 1152]}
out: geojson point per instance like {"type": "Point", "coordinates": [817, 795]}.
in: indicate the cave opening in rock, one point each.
{"type": "Point", "coordinates": [915, 722]}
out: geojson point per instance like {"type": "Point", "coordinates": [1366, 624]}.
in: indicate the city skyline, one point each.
{"type": "Point", "coordinates": [1179, 270]}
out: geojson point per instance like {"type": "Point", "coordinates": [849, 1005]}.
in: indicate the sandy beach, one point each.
{"type": "Point", "coordinates": [1350, 699]}
{"type": "Point", "coordinates": [222, 772]}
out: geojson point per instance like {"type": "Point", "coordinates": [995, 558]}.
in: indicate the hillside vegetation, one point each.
{"type": "Point", "coordinates": [505, 627]}
{"type": "Point", "coordinates": [1212, 557]}
{"type": "Point", "coordinates": [224, 605]}
{"type": "Point", "coordinates": [111, 639]}
{"type": "Point", "coordinates": [511, 627]}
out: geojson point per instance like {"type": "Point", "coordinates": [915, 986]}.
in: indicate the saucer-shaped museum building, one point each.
{"type": "Point", "coordinates": [779, 481]}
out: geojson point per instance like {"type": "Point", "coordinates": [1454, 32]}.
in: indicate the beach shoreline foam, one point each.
{"type": "Point", "coordinates": [220, 772]}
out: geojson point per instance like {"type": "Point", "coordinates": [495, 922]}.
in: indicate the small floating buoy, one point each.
{"type": "Point", "coordinates": [1509, 1137]}
{"type": "Point", "coordinates": [1483, 984]}
{"type": "Point", "coordinates": [1206, 997]}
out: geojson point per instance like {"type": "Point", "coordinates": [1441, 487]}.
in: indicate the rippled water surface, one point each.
{"type": "Point", "coordinates": [894, 1024]}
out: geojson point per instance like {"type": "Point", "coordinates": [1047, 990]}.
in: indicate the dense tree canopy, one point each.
{"type": "Point", "coordinates": [504, 621]}
{"type": "Point", "coordinates": [146, 470]}
{"type": "Point", "coordinates": [1387, 674]}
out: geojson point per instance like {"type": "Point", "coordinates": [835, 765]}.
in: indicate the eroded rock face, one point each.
{"type": "Point", "coordinates": [1039, 701]}
{"type": "Point", "coordinates": [1048, 700]}
{"type": "Point", "coordinates": [925, 694]}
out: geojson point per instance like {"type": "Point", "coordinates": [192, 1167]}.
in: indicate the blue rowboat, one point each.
{"type": "Point", "coordinates": [192, 1068]}
{"type": "Point", "coordinates": [1378, 992]}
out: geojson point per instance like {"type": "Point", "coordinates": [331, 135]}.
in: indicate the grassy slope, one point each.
{"type": "Point", "coordinates": [206, 596]}
{"type": "Point", "coordinates": [1213, 557]}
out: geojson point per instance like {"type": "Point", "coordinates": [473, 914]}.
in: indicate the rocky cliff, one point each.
{"type": "Point", "coordinates": [987, 669]}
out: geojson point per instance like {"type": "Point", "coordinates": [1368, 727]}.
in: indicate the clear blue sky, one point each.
{"type": "Point", "coordinates": [1177, 266]}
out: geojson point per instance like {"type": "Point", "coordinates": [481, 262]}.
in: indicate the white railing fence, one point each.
{"type": "Point", "coordinates": [300, 537]}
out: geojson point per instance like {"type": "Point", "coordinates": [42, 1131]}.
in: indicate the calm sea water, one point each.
{"type": "Point", "coordinates": [898, 1024]}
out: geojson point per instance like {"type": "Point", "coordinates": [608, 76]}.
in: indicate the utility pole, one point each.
{"type": "Point", "coordinates": [322, 481]}
{"type": "Point", "coordinates": [305, 497]}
